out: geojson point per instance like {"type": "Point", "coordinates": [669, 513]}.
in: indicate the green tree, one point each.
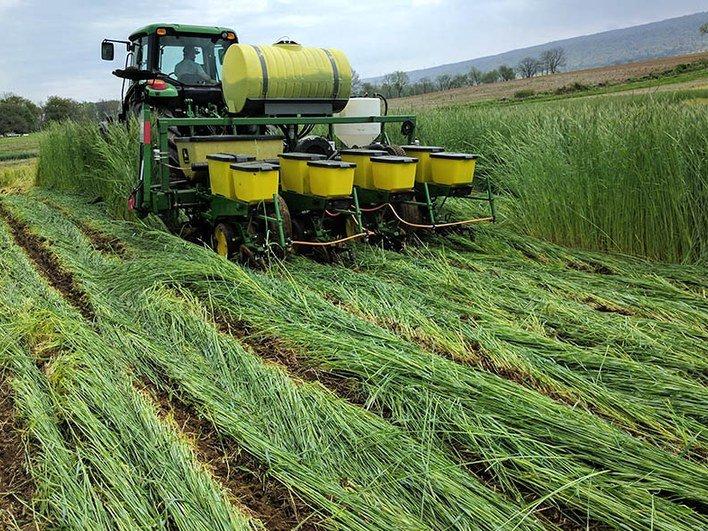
{"type": "Point", "coordinates": [444, 81]}
{"type": "Point", "coordinates": [397, 81]}
{"type": "Point", "coordinates": [474, 76]}
{"type": "Point", "coordinates": [109, 108]}
{"type": "Point", "coordinates": [704, 28]}
{"type": "Point", "coordinates": [490, 77]}
{"type": "Point", "coordinates": [458, 81]}
{"type": "Point", "coordinates": [506, 73]}
{"type": "Point", "coordinates": [18, 115]}
{"type": "Point", "coordinates": [426, 85]}
{"type": "Point", "coordinates": [58, 109]}
{"type": "Point", "coordinates": [356, 84]}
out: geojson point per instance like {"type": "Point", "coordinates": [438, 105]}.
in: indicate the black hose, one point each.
{"type": "Point", "coordinates": [385, 102]}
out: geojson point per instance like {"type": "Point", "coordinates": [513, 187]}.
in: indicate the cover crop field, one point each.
{"type": "Point", "coordinates": [549, 373]}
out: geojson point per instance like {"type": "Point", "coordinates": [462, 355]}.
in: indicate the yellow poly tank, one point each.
{"type": "Point", "coordinates": [254, 182]}
{"type": "Point", "coordinates": [393, 173]}
{"type": "Point", "coordinates": [423, 173]}
{"type": "Point", "coordinates": [331, 178]}
{"type": "Point", "coordinates": [294, 175]}
{"type": "Point", "coordinates": [194, 149]}
{"type": "Point", "coordinates": [363, 175]}
{"type": "Point", "coordinates": [284, 73]}
{"type": "Point", "coordinates": [452, 169]}
{"type": "Point", "coordinates": [220, 180]}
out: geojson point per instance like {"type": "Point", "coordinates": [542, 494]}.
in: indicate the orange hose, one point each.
{"type": "Point", "coordinates": [439, 226]}
{"type": "Point", "coordinates": [335, 242]}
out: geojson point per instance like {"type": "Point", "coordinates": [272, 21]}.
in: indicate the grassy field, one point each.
{"type": "Point", "coordinates": [19, 147]}
{"type": "Point", "coordinates": [689, 71]}
{"type": "Point", "coordinates": [623, 174]}
{"type": "Point", "coordinates": [500, 382]}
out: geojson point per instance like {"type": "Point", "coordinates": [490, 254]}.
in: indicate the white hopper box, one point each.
{"type": "Point", "coordinates": [359, 135]}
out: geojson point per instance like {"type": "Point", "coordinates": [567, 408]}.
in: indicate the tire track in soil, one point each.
{"type": "Point", "coordinates": [16, 485]}
{"type": "Point", "coordinates": [48, 265]}
{"type": "Point", "coordinates": [239, 473]}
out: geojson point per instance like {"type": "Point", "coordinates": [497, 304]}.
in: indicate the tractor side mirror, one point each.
{"type": "Point", "coordinates": [107, 51]}
{"type": "Point", "coordinates": [222, 54]}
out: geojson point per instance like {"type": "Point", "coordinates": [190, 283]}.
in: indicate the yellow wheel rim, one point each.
{"type": "Point", "coordinates": [222, 246]}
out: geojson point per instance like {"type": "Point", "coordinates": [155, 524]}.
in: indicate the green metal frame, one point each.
{"type": "Point", "coordinates": [154, 193]}
{"type": "Point", "coordinates": [299, 203]}
{"type": "Point", "coordinates": [431, 192]}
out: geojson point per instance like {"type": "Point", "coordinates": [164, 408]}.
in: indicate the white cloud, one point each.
{"type": "Point", "coordinates": [377, 36]}
{"type": "Point", "coordinates": [7, 4]}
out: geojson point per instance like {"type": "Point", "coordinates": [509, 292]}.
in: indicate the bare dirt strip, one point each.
{"type": "Point", "coordinates": [16, 485]}
{"type": "Point", "coordinates": [241, 475]}
{"type": "Point", "coordinates": [48, 265]}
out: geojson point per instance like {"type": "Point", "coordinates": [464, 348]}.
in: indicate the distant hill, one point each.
{"type": "Point", "coordinates": [675, 36]}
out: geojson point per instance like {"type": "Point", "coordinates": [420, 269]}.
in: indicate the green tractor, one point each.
{"type": "Point", "coordinates": [173, 68]}
{"type": "Point", "coordinates": [228, 153]}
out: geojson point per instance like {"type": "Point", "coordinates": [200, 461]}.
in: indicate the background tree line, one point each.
{"type": "Point", "coordinates": [398, 84]}
{"type": "Point", "coordinates": [19, 115]}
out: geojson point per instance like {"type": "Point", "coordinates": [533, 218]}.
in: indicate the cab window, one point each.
{"type": "Point", "coordinates": [191, 60]}
{"type": "Point", "coordinates": [140, 55]}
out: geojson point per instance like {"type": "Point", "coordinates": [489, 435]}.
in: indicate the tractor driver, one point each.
{"type": "Point", "coordinates": [188, 71]}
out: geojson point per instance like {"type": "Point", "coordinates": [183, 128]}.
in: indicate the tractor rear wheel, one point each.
{"type": "Point", "coordinates": [395, 150]}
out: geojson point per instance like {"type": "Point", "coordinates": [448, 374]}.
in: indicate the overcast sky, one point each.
{"type": "Point", "coordinates": [52, 47]}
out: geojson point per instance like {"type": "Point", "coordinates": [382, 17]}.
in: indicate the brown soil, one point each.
{"type": "Point", "coordinates": [102, 242]}
{"type": "Point", "coordinates": [48, 264]}
{"type": "Point", "coordinates": [239, 473]}
{"type": "Point", "coordinates": [16, 485]}
{"type": "Point", "coordinates": [275, 351]}
{"type": "Point", "coordinates": [594, 76]}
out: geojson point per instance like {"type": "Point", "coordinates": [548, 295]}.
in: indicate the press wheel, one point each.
{"type": "Point", "coordinates": [411, 213]}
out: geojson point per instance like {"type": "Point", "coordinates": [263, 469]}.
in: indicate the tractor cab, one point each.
{"type": "Point", "coordinates": [173, 67]}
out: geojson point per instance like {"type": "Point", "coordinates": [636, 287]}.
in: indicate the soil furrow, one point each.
{"type": "Point", "coordinates": [275, 351]}
{"type": "Point", "coordinates": [48, 265]}
{"type": "Point", "coordinates": [102, 242]}
{"type": "Point", "coordinates": [241, 475]}
{"type": "Point", "coordinates": [16, 485]}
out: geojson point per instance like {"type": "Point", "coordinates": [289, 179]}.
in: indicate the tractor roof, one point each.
{"type": "Point", "coordinates": [179, 28]}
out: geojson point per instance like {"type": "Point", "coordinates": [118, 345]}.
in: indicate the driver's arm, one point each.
{"type": "Point", "coordinates": [200, 72]}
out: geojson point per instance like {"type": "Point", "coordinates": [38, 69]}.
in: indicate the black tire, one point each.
{"type": "Point", "coordinates": [315, 144]}
{"type": "Point", "coordinates": [411, 214]}
{"type": "Point", "coordinates": [397, 151]}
